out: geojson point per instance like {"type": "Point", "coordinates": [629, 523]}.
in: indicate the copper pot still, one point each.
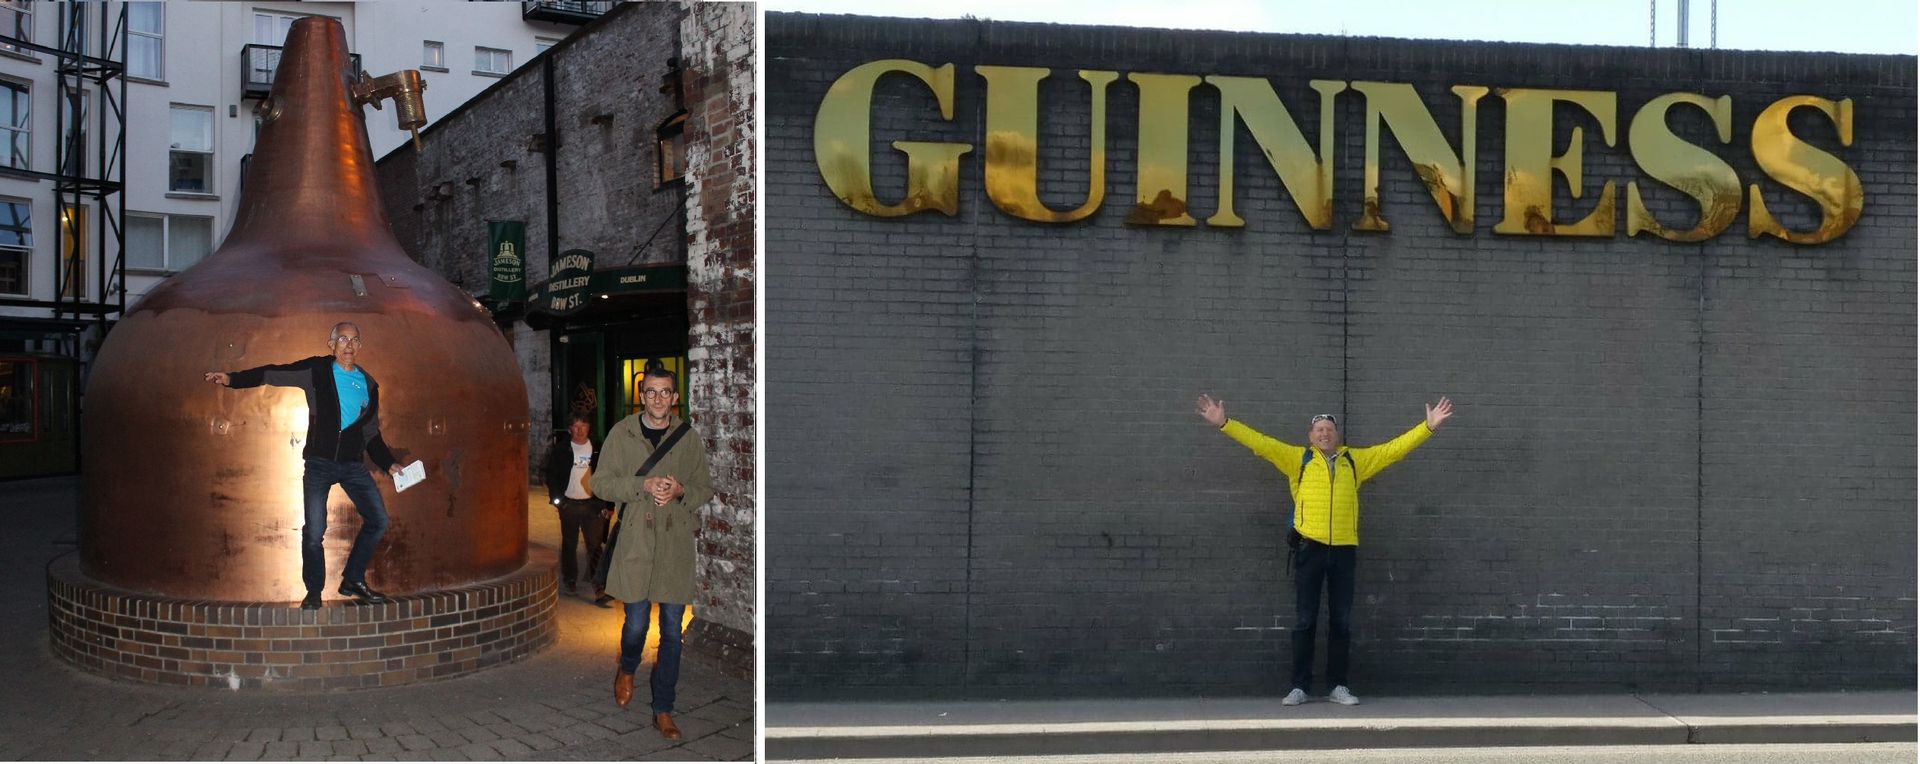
{"type": "Point", "coordinates": [192, 490]}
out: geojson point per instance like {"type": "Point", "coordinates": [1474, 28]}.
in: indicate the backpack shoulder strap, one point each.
{"type": "Point", "coordinates": [1306, 458]}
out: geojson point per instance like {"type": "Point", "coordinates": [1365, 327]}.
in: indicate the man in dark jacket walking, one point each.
{"type": "Point", "coordinates": [570, 463]}
{"type": "Point", "coordinates": [343, 428]}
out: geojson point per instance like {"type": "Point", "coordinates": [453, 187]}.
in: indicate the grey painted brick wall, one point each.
{"type": "Point", "coordinates": [1673, 465]}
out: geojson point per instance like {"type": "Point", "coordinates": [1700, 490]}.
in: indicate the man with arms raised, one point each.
{"type": "Point", "coordinates": [1324, 479]}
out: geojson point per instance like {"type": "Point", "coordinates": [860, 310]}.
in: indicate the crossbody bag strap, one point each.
{"type": "Point", "coordinates": [613, 538]}
{"type": "Point", "coordinates": [661, 452]}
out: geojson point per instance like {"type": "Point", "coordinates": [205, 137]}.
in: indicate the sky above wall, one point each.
{"type": "Point", "coordinates": [1848, 26]}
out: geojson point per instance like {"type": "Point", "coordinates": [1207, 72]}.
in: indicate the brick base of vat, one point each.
{"type": "Point", "coordinates": [415, 638]}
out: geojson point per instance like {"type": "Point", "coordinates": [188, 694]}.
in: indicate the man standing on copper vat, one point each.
{"type": "Point", "coordinates": [343, 428]}
{"type": "Point", "coordinates": [656, 468]}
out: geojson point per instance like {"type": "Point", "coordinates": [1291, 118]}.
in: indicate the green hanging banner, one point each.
{"type": "Point", "coordinates": [506, 240]}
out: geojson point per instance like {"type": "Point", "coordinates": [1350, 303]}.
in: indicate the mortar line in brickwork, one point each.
{"type": "Point", "coordinates": [1346, 318]}
{"type": "Point", "coordinates": [1699, 468]}
{"type": "Point", "coordinates": [973, 386]}
{"type": "Point", "coordinates": [1342, 57]}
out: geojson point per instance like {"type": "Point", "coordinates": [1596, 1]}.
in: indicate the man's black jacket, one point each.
{"type": "Point", "coordinates": [325, 438]}
{"type": "Point", "coordinates": [560, 464]}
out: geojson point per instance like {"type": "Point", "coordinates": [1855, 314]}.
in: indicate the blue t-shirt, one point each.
{"type": "Point", "coordinates": [353, 393]}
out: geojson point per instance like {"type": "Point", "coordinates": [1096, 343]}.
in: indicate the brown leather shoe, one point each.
{"type": "Point", "coordinates": [664, 721]}
{"type": "Point", "coordinates": [622, 688]}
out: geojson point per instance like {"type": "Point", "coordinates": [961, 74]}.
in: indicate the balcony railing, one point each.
{"type": "Point", "coordinates": [258, 64]}
{"type": "Point", "coordinates": [564, 11]}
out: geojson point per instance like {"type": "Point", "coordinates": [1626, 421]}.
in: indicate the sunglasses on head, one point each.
{"type": "Point", "coordinates": [1318, 418]}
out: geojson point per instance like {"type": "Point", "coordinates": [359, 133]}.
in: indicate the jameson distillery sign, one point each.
{"type": "Point", "coordinates": [841, 141]}
{"type": "Point", "coordinates": [572, 275]}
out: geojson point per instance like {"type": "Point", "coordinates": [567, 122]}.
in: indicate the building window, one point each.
{"type": "Point", "coordinates": [74, 25]}
{"type": "Point", "coordinates": [541, 44]}
{"type": "Point", "coordinates": [16, 21]}
{"type": "Point", "coordinates": [73, 253]}
{"type": "Point", "coordinates": [492, 60]}
{"type": "Point", "coordinates": [16, 401]}
{"type": "Point", "coordinates": [146, 40]}
{"type": "Point", "coordinates": [167, 242]}
{"type": "Point", "coordinates": [16, 244]}
{"type": "Point", "coordinates": [16, 120]}
{"type": "Point", "coordinates": [670, 150]}
{"type": "Point", "coordinates": [190, 162]}
{"type": "Point", "coordinates": [433, 55]}
{"type": "Point", "coordinates": [73, 146]}
{"type": "Point", "coordinates": [271, 28]}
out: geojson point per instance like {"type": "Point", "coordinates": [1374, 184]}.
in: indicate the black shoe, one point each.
{"type": "Point", "coordinates": [569, 588]}
{"type": "Point", "coordinates": [361, 592]}
{"type": "Point", "coordinates": [604, 600]}
{"type": "Point", "coordinates": [312, 601]}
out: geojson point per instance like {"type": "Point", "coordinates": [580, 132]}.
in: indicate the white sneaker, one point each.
{"type": "Point", "coordinates": [1343, 696]}
{"type": "Point", "coordinates": [1294, 698]}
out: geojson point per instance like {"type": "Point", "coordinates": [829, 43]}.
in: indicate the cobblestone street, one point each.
{"type": "Point", "coordinates": [554, 706]}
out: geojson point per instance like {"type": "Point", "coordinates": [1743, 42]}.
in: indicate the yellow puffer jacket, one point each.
{"type": "Point", "coordinates": [1326, 494]}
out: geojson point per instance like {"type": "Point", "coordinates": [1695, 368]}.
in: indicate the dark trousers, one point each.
{"type": "Point", "coordinates": [633, 643]}
{"type": "Point", "coordinates": [320, 477]}
{"type": "Point", "coordinates": [580, 518]}
{"type": "Point", "coordinates": [1331, 567]}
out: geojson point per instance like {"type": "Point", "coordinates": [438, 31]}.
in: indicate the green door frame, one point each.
{"type": "Point", "coordinates": [563, 399]}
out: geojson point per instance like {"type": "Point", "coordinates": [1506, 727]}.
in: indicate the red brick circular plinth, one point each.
{"type": "Point", "coordinates": [277, 646]}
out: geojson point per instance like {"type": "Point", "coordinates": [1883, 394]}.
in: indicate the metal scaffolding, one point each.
{"type": "Point", "coordinates": [89, 88]}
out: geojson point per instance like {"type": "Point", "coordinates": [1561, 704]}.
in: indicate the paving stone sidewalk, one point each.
{"type": "Point", "coordinates": [555, 706]}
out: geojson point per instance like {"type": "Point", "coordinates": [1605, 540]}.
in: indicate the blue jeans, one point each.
{"type": "Point", "coordinates": [1332, 567]}
{"type": "Point", "coordinates": [321, 475]}
{"type": "Point", "coordinates": [633, 642]}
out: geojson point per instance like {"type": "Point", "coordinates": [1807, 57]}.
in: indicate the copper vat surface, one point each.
{"type": "Point", "coordinates": [192, 490]}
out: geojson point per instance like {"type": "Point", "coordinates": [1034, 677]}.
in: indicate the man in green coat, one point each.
{"type": "Point", "coordinates": [652, 556]}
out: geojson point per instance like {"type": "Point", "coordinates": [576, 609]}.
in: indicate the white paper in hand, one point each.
{"type": "Point", "coordinates": [409, 475]}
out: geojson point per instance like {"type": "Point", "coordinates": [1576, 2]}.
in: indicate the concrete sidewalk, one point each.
{"type": "Point", "coordinates": [1068, 727]}
{"type": "Point", "coordinates": [556, 705]}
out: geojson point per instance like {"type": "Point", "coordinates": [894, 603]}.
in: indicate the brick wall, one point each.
{"type": "Point", "coordinates": [488, 162]}
{"type": "Point", "coordinates": [277, 646]}
{"type": "Point", "coordinates": [609, 102]}
{"type": "Point", "coordinates": [1673, 466]}
{"type": "Point", "coordinates": [718, 78]}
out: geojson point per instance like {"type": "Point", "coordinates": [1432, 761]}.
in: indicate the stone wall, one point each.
{"type": "Point", "coordinates": [718, 76]}
{"type": "Point", "coordinates": [487, 161]}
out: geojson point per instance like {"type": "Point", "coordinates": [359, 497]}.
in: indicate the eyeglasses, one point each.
{"type": "Point", "coordinates": [350, 341]}
{"type": "Point", "coordinates": [657, 393]}
{"type": "Point", "coordinates": [1318, 418]}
